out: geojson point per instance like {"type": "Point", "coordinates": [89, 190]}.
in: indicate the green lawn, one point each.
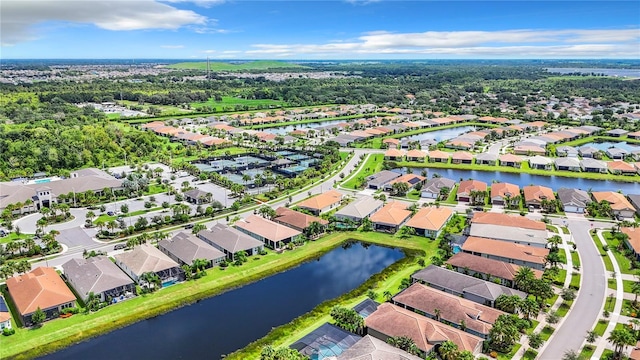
{"type": "Point", "coordinates": [575, 281]}
{"type": "Point", "coordinates": [530, 354]}
{"type": "Point", "coordinates": [230, 102]}
{"type": "Point", "coordinates": [552, 228]}
{"type": "Point", "coordinates": [612, 284]}
{"type": "Point", "coordinates": [564, 308]}
{"type": "Point", "coordinates": [560, 277]}
{"type": "Point", "coordinates": [451, 199]}
{"type": "Point", "coordinates": [607, 354]}
{"type": "Point", "coordinates": [601, 326]}
{"type": "Point", "coordinates": [605, 258]}
{"type": "Point", "coordinates": [587, 352]}
{"type": "Point", "coordinates": [13, 237]}
{"type": "Point", "coordinates": [510, 355]}
{"type": "Point", "coordinates": [530, 329]}
{"type": "Point", "coordinates": [546, 332]}
{"type": "Point", "coordinates": [610, 303]}
{"type": "Point", "coordinates": [552, 300]}
{"type": "Point", "coordinates": [62, 332]}
{"type": "Point", "coordinates": [372, 165]}
{"type": "Point", "coordinates": [225, 66]}
{"type": "Point", "coordinates": [626, 285]}
{"type": "Point", "coordinates": [623, 262]}
{"type": "Point", "coordinates": [565, 230]}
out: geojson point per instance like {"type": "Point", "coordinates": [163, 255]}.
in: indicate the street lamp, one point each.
{"type": "Point", "coordinates": [74, 196]}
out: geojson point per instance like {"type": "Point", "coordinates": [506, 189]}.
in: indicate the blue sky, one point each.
{"type": "Point", "coordinates": [354, 29]}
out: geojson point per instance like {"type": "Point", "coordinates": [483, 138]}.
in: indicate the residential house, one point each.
{"type": "Point", "coordinates": [390, 217]}
{"type": "Point", "coordinates": [461, 157]}
{"type": "Point", "coordinates": [620, 206]}
{"type": "Point", "coordinates": [468, 287]}
{"type": "Point", "coordinates": [522, 149]}
{"type": "Point", "coordinates": [322, 203]}
{"type": "Point", "coordinates": [501, 193]}
{"type": "Point", "coordinates": [616, 132]}
{"type": "Point", "coordinates": [197, 196]}
{"type": "Point", "coordinates": [185, 248]}
{"type": "Point", "coordinates": [433, 188]}
{"type": "Point", "coordinates": [621, 168]}
{"type": "Point", "coordinates": [369, 348]}
{"type": "Point", "coordinates": [567, 151]}
{"type": "Point", "coordinates": [633, 241]}
{"type": "Point", "coordinates": [439, 156]}
{"type": "Point", "coordinates": [486, 268]}
{"type": "Point", "coordinates": [467, 188]}
{"type": "Point", "coordinates": [535, 194]}
{"type": "Point", "coordinates": [635, 201]}
{"type": "Point", "coordinates": [412, 180]}
{"type": "Point", "coordinates": [567, 164]}
{"type": "Point", "coordinates": [359, 209]}
{"type": "Point", "coordinates": [616, 153]}
{"type": "Point", "coordinates": [540, 163]}
{"type": "Point", "coordinates": [97, 275]}
{"type": "Point", "coordinates": [593, 165]}
{"type": "Point", "coordinates": [391, 321]}
{"type": "Point", "coordinates": [587, 151]}
{"type": "Point", "coordinates": [486, 159]}
{"type": "Point", "coordinates": [469, 316]}
{"type": "Point", "coordinates": [512, 228]}
{"type": "Point", "coordinates": [41, 288]}
{"type": "Point", "coordinates": [416, 155]}
{"type": "Point", "coordinates": [297, 220]}
{"type": "Point", "coordinates": [147, 258]}
{"type": "Point", "coordinates": [272, 234]}
{"type": "Point", "coordinates": [573, 200]}
{"type": "Point", "coordinates": [379, 180]}
{"type": "Point", "coordinates": [391, 143]}
{"type": "Point", "coordinates": [510, 160]}
{"type": "Point", "coordinates": [394, 155]}
{"type": "Point", "coordinates": [316, 344]}
{"type": "Point", "coordinates": [634, 135]}
{"type": "Point", "coordinates": [231, 241]}
{"type": "Point", "coordinates": [511, 252]}
{"type": "Point", "coordinates": [5, 315]}
{"type": "Point", "coordinates": [430, 221]}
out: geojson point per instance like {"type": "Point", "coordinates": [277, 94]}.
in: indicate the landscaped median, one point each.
{"type": "Point", "coordinates": [59, 333]}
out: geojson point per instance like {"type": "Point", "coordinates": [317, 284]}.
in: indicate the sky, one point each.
{"type": "Point", "coordinates": [309, 30]}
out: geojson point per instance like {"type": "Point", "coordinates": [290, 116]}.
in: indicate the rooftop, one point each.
{"type": "Point", "coordinates": [430, 218]}
{"type": "Point", "coordinates": [229, 238]}
{"type": "Point", "coordinates": [505, 249]}
{"type": "Point", "coordinates": [146, 258]}
{"type": "Point", "coordinates": [41, 288]}
{"type": "Point", "coordinates": [322, 201]}
{"type": "Point", "coordinates": [266, 228]}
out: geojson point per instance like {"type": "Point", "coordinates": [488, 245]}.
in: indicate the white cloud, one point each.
{"type": "Point", "coordinates": [202, 3]}
{"type": "Point", "coordinates": [172, 46]}
{"type": "Point", "coordinates": [19, 17]}
{"type": "Point", "coordinates": [508, 43]}
{"type": "Point", "coordinates": [362, 2]}
{"type": "Point", "coordinates": [208, 51]}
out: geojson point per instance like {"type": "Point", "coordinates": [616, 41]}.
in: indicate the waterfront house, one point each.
{"type": "Point", "coordinates": [328, 339]}
{"type": "Point", "coordinates": [593, 165]}
{"type": "Point", "coordinates": [620, 206]}
{"type": "Point", "coordinates": [41, 288]}
{"type": "Point", "coordinates": [587, 151]}
{"type": "Point", "coordinates": [467, 315]}
{"type": "Point", "coordinates": [147, 258]}
{"type": "Point", "coordinates": [369, 348]}
{"type": "Point", "coordinates": [511, 252]}
{"type": "Point", "coordinates": [573, 200]}
{"type": "Point", "coordinates": [322, 203]}
{"type": "Point", "coordinates": [439, 156]}
{"type": "Point", "coordinates": [230, 241]}
{"type": "Point", "coordinates": [486, 159]}
{"type": "Point", "coordinates": [616, 132]}
{"type": "Point", "coordinates": [616, 153]}
{"type": "Point", "coordinates": [633, 241]}
{"type": "Point", "coordinates": [486, 268]}
{"type": "Point", "coordinates": [433, 187]}
{"type": "Point", "coordinates": [185, 248]}
{"type": "Point", "coordinates": [467, 188]}
{"type": "Point", "coordinates": [391, 320]}
{"type": "Point", "coordinates": [297, 220]}
{"type": "Point", "coordinates": [461, 157]}
{"type": "Point", "coordinates": [634, 199]}
{"type": "Point", "coordinates": [524, 149]}
{"type": "Point", "coordinates": [5, 315]}
{"type": "Point", "coordinates": [501, 193]}
{"type": "Point", "coordinates": [468, 287]}
{"type": "Point", "coordinates": [412, 180]}
{"type": "Point", "coordinates": [391, 143]}
{"type": "Point", "coordinates": [272, 234]}
{"type": "Point", "coordinates": [566, 151]}
{"type": "Point", "coordinates": [540, 163]}
{"type": "Point", "coordinates": [510, 160]}
{"type": "Point", "coordinates": [535, 194]}
{"type": "Point", "coordinates": [394, 154]}
{"type": "Point", "coordinates": [430, 221]}
{"type": "Point", "coordinates": [621, 168]}
{"type": "Point", "coordinates": [567, 164]}
{"type": "Point", "coordinates": [378, 180]}
{"type": "Point", "coordinates": [416, 155]}
{"type": "Point", "coordinates": [359, 209]}
{"type": "Point", "coordinates": [97, 275]}
{"type": "Point", "coordinates": [634, 135]}
{"type": "Point", "coordinates": [390, 217]}
{"type": "Point", "coordinates": [512, 228]}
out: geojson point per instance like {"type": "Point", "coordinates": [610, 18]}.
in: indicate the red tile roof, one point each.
{"type": "Point", "coordinates": [41, 287]}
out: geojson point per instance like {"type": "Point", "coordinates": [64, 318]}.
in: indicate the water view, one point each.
{"type": "Point", "coordinates": [633, 73]}
{"type": "Point", "coordinates": [441, 135]}
{"type": "Point", "coordinates": [554, 182]}
{"type": "Point", "coordinates": [227, 322]}
{"type": "Point", "coordinates": [606, 145]}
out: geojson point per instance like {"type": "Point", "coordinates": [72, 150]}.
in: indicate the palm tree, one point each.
{"type": "Point", "coordinates": [635, 290]}
{"type": "Point", "coordinates": [554, 241]}
{"type": "Point", "coordinates": [508, 303]}
{"type": "Point", "coordinates": [523, 278]}
{"type": "Point", "coordinates": [387, 295]}
{"type": "Point", "coordinates": [111, 225]}
{"type": "Point", "coordinates": [448, 350]}
{"type": "Point", "coordinates": [592, 336]}
{"type": "Point", "coordinates": [621, 338]}
{"type": "Point", "coordinates": [529, 308]}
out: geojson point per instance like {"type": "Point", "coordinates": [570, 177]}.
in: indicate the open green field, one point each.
{"type": "Point", "coordinates": [59, 333]}
{"type": "Point", "coordinates": [231, 101]}
{"type": "Point", "coordinates": [589, 139]}
{"type": "Point", "coordinates": [372, 165]}
{"type": "Point", "coordinates": [225, 66]}
{"type": "Point", "coordinates": [617, 250]}
{"type": "Point", "coordinates": [311, 121]}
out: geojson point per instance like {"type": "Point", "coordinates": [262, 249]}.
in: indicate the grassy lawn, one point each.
{"type": "Point", "coordinates": [575, 281]}
{"type": "Point", "coordinates": [607, 354]}
{"type": "Point", "coordinates": [605, 258]}
{"type": "Point", "coordinates": [530, 354]}
{"type": "Point", "coordinates": [560, 277]}
{"type": "Point", "coordinates": [546, 332]}
{"type": "Point", "coordinates": [612, 284]}
{"type": "Point", "coordinates": [614, 245]}
{"type": "Point", "coordinates": [575, 258]}
{"type": "Point", "coordinates": [510, 355]}
{"type": "Point", "coordinates": [552, 300]}
{"type": "Point", "coordinates": [372, 165]}
{"type": "Point", "coordinates": [587, 352]}
{"type": "Point", "coordinates": [628, 309]}
{"type": "Point", "coordinates": [564, 308]}
{"type": "Point", "coordinates": [63, 332]}
{"type": "Point", "coordinates": [451, 199]}
{"type": "Point", "coordinates": [413, 195]}
{"type": "Point", "coordinates": [601, 326]}
{"type": "Point", "coordinates": [610, 303]}
{"type": "Point", "coordinates": [565, 230]}
{"type": "Point", "coordinates": [534, 324]}
{"type": "Point", "coordinates": [13, 237]}
{"type": "Point", "coordinates": [524, 169]}
{"type": "Point", "coordinates": [626, 285]}
{"type": "Point", "coordinates": [229, 102]}
{"type": "Point", "coordinates": [552, 228]}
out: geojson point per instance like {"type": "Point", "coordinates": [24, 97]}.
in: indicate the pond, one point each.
{"type": "Point", "coordinates": [227, 322]}
{"type": "Point", "coordinates": [283, 130]}
{"type": "Point", "coordinates": [441, 135]}
{"type": "Point", "coordinates": [603, 146]}
{"type": "Point", "coordinates": [554, 182]}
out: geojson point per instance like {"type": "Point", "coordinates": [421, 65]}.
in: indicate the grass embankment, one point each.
{"type": "Point", "coordinates": [60, 333]}
{"type": "Point", "coordinates": [225, 66]}
{"type": "Point", "coordinates": [605, 258]}
{"type": "Point", "coordinates": [525, 169]}
{"type": "Point", "coordinates": [372, 165]}
{"type": "Point", "coordinates": [311, 121]}
{"type": "Point", "coordinates": [617, 249]}
{"type": "Point", "coordinates": [387, 280]}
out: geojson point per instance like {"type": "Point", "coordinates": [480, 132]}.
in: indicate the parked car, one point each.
{"type": "Point", "coordinates": [188, 226]}
{"type": "Point", "coordinates": [3, 233]}
{"type": "Point", "coordinates": [110, 213]}
{"type": "Point", "coordinates": [119, 246]}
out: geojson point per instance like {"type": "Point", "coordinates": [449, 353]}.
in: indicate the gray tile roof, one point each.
{"type": "Point", "coordinates": [361, 208]}
{"type": "Point", "coordinates": [509, 233]}
{"type": "Point", "coordinates": [146, 258]}
{"type": "Point", "coordinates": [370, 348]}
{"type": "Point", "coordinates": [486, 157]}
{"type": "Point", "coordinates": [95, 274]}
{"type": "Point", "coordinates": [568, 162]}
{"type": "Point", "coordinates": [573, 197]}
{"type": "Point", "coordinates": [460, 283]}
{"type": "Point", "coordinates": [188, 247]}
{"type": "Point", "coordinates": [435, 184]}
{"type": "Point", "coordinates": [382, 178]}
{"type": "Point", "coordinates": [540, 160]}
{"type": "Point", "coordinates": [593, 163]}
{"type": "Point", "coordinates": [229, 238]}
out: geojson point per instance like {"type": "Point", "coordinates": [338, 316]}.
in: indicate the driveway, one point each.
{"type": "Point", "coordinates": [587, 306]}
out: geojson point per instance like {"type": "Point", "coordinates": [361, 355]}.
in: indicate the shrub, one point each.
{"type": "Point", "coordinates": [493, 354]}
{"type": "Point", "coordinates": [8, 331]}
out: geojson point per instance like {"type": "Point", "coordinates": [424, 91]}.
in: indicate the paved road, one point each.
{"type": "Point", "coordinates": [586, 308]}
